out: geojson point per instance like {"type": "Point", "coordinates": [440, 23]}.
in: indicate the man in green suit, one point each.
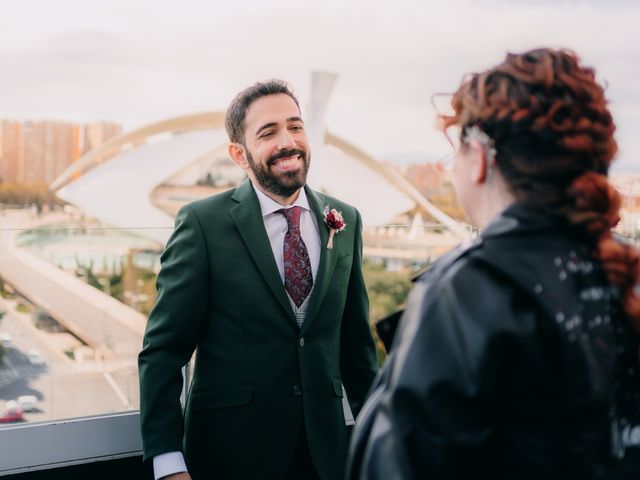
{"type": "Point", "coordinates": [276, 312]}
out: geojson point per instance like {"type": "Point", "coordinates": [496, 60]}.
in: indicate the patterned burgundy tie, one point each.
{"type": "Point", "coordinates": [298, 279]}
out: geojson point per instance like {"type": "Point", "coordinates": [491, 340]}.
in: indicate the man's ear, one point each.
{"type": "Point", "coordinates": [480, 163]}
{"type": "Point", "coordinates": [237, 153]}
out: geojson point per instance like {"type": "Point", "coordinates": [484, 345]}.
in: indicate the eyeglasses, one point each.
{"type": "Point", "coordinates": [452, 134]}
{"type": "Point", "coordinates": [441, 103]}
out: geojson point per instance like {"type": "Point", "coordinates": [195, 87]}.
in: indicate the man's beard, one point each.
{"type": "Point", "coordinates": [284, 184]}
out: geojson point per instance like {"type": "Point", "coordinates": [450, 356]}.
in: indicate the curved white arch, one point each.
{"type": "Point", "coordinates": [118, 191]}
{"type": "Point", "coordinates": [114, 182]}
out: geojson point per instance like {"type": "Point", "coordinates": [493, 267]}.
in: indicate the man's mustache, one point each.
{"type": "Point", "coordinates": [287, 153]}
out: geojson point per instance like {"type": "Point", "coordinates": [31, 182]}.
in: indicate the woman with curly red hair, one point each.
{"type": "Point", "coordinates": [517, 356]}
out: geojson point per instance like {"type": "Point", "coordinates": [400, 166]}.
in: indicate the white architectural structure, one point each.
{"type": "Point", "coordinates": [115, 182]}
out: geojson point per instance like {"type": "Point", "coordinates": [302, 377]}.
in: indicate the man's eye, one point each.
{"type": "Point", "coordinates": [266, 134]}
{"type": "Point", "coordinates": [296, 128]}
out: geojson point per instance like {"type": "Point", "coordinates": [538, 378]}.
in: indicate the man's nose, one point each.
{"type": "Point", "coordinates": [285, 140]}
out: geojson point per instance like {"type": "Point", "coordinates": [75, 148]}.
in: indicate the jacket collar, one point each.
{"type": "Point", "coordinates": [518, 219]}
{"type": "Point", "coordinates": [247, 217]}
{"type": "Point", "coordinates": [328, 257]}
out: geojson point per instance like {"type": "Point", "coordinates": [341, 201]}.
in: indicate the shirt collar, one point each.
{"type": "Point", "coordinates": [269, 205]}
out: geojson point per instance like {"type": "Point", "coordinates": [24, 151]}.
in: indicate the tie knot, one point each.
{"type": "Point", "coordinates": [292, 215]}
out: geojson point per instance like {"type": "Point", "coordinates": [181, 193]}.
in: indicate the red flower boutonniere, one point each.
{"type": "Point", "coordinates": [333, 218]}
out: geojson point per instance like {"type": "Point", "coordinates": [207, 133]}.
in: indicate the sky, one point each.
{"type": "Point", "coordinates": [140, 61]}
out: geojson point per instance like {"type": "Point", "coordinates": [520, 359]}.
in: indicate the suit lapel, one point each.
{"type": "Point", "coordinates": [247, 217]}
{"type": "Point", "coordinates": [327, 258]}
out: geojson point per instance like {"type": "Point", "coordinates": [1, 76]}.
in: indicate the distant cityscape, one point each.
{"type": "Point", "coordinates": [39, 151]}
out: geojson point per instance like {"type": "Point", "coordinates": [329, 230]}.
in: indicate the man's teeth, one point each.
{"type": "Point", "coordinates": [285, 162]}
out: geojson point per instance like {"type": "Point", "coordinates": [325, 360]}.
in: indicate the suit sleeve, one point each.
{"type": "Point", "coordinates": [358, 363]}
{"type": "Point", "coordinates": [433, 414]}
{"type": "Point", "coordinates": [171, 335]}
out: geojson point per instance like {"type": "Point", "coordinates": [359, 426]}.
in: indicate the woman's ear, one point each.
{"type": "Point", "coordinates": [238, 155]}
{"type": "Point", "coordinates": [479, 163]}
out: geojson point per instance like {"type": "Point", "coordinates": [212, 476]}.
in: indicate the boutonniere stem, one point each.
{"type": "Point", "coordinates": [332, 232]}
{"type": "Point", "coordinates": [335, 222]}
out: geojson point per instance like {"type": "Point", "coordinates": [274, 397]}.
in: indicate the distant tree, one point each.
{"type": "Point", "coordinates": [86, 273]}
{"type": "Point", "coordinates": [92, 279]}
{"type": "Point", "coordinates": [388, 293]}
{"type": "Point", "coordinates": [387, 290]}
{"type": "Point", "coordinates": [27, 194]}
{"type": "Point", "coordinates": [116, 287]}
{"type": "Point", "coordinates": [22, 307]}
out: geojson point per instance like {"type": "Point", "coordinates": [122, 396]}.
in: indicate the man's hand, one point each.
{"type": "Point", "coordinates": [177, 476]}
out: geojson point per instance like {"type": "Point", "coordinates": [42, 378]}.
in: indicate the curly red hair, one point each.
{"type": "Point", "coordinates": [554, 137]}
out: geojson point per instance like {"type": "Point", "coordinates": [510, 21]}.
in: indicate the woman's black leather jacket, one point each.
{"type": "Point", "coordinates": [507, 365]}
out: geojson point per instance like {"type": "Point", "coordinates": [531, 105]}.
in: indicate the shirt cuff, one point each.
{"type": "Point", "coordinates": [167, 464]}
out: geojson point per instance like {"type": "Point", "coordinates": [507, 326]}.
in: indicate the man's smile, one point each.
{"type": "Point", "coordinates": [287, 163]}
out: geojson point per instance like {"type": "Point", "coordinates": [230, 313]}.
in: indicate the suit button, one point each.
{"type": "Point", "coordinates": [297, 391]}
{"type": "Point", "coordinates": [301, 342]}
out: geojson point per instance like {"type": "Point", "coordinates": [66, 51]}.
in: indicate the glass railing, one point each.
{"type": "Point", "coordinates": [74, 296]}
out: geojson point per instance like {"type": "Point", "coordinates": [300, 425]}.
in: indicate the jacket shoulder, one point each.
{"type": "Point", "coordinates": [217, 200]}
{"type": "Point", "coordinates": [458, 257]}
{"type": "Point", "coordinates": [208, 207]}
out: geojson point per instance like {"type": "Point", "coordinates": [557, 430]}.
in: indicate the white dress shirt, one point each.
{"type": "Point", "coordinates": [276, 226]}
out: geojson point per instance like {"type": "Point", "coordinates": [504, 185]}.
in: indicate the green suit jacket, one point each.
{"type": "Point", "coordinates": [257, 375]}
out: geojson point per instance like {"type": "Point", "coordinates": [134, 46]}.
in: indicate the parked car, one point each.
{"type": "Point", "coordinates": [11, 415]}
{"type": "Point", "coordinates": [35, 357]}
{"type": "Point", "coordinates": [26, 403]}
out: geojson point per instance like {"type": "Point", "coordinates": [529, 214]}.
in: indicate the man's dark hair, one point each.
{"type": "Point", "coordinates": [237, 111]}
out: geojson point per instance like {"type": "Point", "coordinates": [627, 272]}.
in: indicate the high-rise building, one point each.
{"type": "Point", "coordinates": [36, 152]}
{"type": "Point", "coordinates": [95, 134]}
{"type": "Point", "coordinates": [10, 149]}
